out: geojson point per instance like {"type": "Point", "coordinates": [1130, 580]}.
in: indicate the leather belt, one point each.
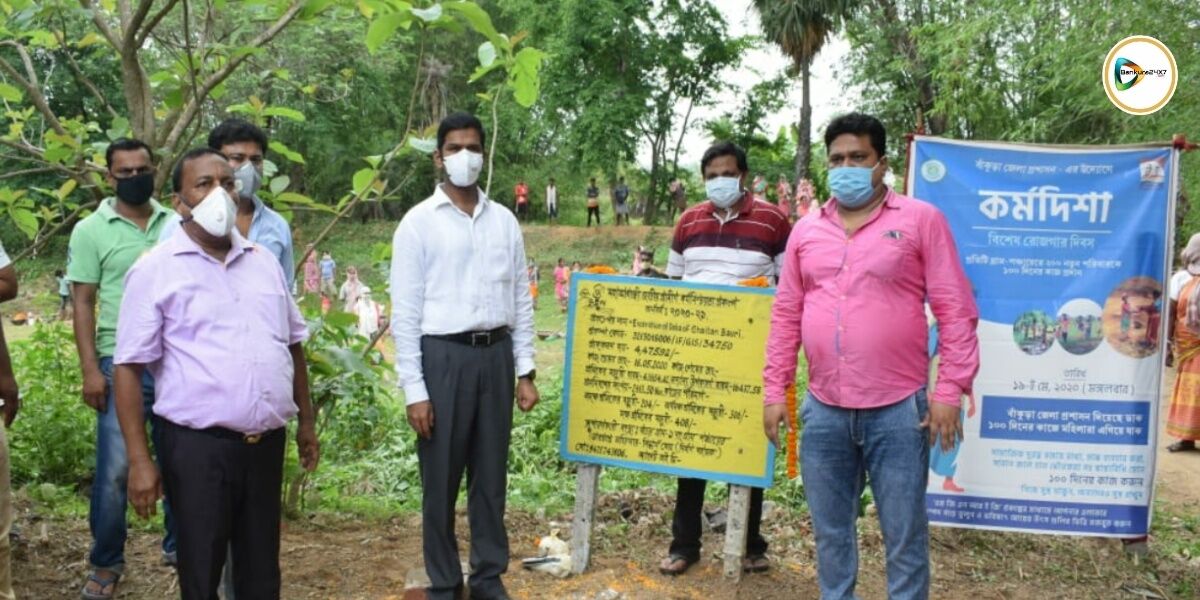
{"type": "Point", "coordinates": [476, 339]}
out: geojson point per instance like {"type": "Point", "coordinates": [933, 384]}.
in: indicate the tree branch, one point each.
{"type": "Point", "coordinates": [152, 24]}
{"type": "Point", "coordinates": [45, 236]}
{"type": "Point", "coordinates": [125, 12]}
{"type": "Point", "coordinates": [101, 24]}
{"type": "Point", "coordinates": [37, 171]}
{"type": "Point", "coordinates": [193, 107]}
{"type": "Point", "coordinates": [31, 86]}
{"type": "Point", "coordinates": [134, 24]}
{"type": "Point", "coordinates": [83, 79]}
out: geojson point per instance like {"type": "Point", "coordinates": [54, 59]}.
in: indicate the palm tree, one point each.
{"type": "Point", "coordinates": [800, 28]}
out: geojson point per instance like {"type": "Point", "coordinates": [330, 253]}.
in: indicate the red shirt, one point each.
{"type": "Point", "coordinates": [522, 192]}
{"type": "Point", "coordinates": [711, 246]}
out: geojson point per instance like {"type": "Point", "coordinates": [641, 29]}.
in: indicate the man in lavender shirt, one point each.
{"type": "Point", "coordinates": [209, 314]}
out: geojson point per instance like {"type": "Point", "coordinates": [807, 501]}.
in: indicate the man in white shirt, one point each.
{"type": "Point", "coordinates": [462, 318]}
{"type": "Point", "coordinates": [552, 201]}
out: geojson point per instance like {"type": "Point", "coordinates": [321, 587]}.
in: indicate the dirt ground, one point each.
{"type": "Point", "coordinates": [327, 556]}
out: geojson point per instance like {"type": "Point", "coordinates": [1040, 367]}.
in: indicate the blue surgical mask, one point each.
{"type": "Point", "coordinates": [852, 186]}
{"type": "Point", "coordinates": [723, 191]}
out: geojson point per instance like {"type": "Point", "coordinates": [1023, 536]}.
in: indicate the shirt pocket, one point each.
{"type": "Point", "coordinates": [890, 258]}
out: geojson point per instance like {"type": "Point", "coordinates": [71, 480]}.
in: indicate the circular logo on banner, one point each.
{"type": "Point", "coordinates": [1140, 75]}
{"type": "Point", "coordinates": [933, 171]}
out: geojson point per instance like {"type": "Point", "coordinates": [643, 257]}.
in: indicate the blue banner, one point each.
{"type": "Point", "coordinates": [1067, 249]}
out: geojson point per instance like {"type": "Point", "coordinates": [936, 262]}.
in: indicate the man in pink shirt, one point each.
{"type": "Point", "coordinates": [855, 281]}
{"type": "Point", "coordinates": [209, 314]}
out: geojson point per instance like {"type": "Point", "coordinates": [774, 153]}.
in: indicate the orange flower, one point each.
{"type": "Point", "coordinates": [600, 270]}
{"type": "Point", "coordinates": [756, 282]}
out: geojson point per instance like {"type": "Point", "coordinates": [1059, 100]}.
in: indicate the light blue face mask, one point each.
{"type": "Point", "coordinates": [723, 191]}
{"type": "Point", "coordinates": [852, 186]}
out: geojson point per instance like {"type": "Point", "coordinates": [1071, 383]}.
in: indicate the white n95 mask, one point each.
{"type": "Point", "coordinates": [463, 167]}
{"type": "Point", "coordinates": [216, 213]}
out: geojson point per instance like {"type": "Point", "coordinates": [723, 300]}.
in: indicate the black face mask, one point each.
{"type": "Point", "coordinates": [136, 190]}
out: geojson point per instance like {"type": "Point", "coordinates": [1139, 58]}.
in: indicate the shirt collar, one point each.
{"type": "Point", "coordinates": [890, 200]}
{"type": "Point", "coordinates": [440, 199]}
{"type": "Point", "coordinates": [258, 209]}
{"type": "Point", "coordinates": [109, 213]}
{"type": "Point", "coordinates": [182, 243]}
{"type": "Point", "coordinates": [747, 206]}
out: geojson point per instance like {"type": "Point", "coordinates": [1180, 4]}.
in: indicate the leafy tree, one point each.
{"type": "Point", "coordinates": [800, 29]}
{"type": "Point", "coordinates": [169, 62]}
{"type": "Point", "coordinates": [1020, 70]}
{"type": "Point", "coordinates": [686, 60]}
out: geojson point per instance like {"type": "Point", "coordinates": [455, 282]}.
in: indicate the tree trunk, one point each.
{"type": "Point", "coordinates": [138, 96]}
{"type": "Point", "coordinates": [804, 140]}
{"type": "Point", "coordinates": [651, 213]}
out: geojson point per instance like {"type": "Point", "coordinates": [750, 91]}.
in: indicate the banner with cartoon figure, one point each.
{"type": "Point", "coordinates": [1067, 250]}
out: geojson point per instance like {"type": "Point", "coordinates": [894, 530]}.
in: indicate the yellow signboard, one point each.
{"type": "Point", "coordinates": [666, 376]}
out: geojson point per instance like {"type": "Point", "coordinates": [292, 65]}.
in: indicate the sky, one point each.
{"type": "Point", "coordinates": [761, 64]}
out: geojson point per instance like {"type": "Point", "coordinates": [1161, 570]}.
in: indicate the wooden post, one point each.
{"type": "Point", "coordinates": [735, 530]}
{"type": "Point", "coordinates": [587, 481]}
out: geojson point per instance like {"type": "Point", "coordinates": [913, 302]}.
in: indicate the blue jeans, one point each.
{"type": "Point", "coordinates": [839, 449]}
{"type": "Point", "coordinates": [110, 491]}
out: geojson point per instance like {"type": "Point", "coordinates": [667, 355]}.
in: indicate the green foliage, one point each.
{"type": "Point", "coordinates": [52, 440]}
{"type": "Point", "coordinates": [349, 391]}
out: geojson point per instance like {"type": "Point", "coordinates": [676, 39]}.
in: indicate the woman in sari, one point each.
{"type": "Point", "coordinates": [1183, 418]}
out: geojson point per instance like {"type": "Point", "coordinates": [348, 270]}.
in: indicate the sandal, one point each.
{"type": "Point", "coordinates": [103, 583]}
{"type": "Point", "coordinates": [1182, 446]}
{"type": "Point", "coordinates": [757, 563]}
{"type": "Point", "coordinates": [676, 564]}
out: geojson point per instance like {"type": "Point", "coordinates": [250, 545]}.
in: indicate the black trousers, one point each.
{"type": "Point", "coordinates": [471, 389]}
{"type": "Point", "coordinates": [593, 210]}
{"type": "Point", "coordinates": [686, 527]}
{"type": "Point", "coordinates": [225, 493]}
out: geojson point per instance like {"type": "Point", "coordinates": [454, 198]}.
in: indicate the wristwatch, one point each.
{"type": "Point", "coordinates": [531, 375]}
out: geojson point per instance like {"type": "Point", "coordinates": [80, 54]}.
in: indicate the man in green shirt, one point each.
{"type": "Point", "coordinates": [103, 247]}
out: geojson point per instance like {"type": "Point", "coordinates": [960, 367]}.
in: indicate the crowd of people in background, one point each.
{"type": "Point", "coordinates": [795, 202]}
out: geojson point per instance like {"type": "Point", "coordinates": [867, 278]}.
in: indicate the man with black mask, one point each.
{"type": "Point", "coordinates": [103, 247]}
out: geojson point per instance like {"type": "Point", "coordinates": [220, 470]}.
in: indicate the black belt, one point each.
{"type": "Point", "coordinates": [475, 339]}
{"type": "Point", "coordinates": [229, 434]}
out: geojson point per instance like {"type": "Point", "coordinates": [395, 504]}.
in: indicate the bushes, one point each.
{"type": "Point", "coordinates": [52, 440]}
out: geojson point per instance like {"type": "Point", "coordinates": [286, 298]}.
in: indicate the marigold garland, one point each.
{"type": "Point", "coordinates": [761, 282]}
{"type": "Point", "coordinates": [793, 453]}
{"type": "Point", "coordinates": [600, 270]}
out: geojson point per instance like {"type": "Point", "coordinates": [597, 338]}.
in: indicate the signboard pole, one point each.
{"type": "Point", "coordinates": [735, 530]}
{"type": "Point", "coordinates": [587, 481]}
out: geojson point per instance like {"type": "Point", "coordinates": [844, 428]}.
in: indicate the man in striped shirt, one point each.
{"type": "Point", "coordinates": [726, 239]}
